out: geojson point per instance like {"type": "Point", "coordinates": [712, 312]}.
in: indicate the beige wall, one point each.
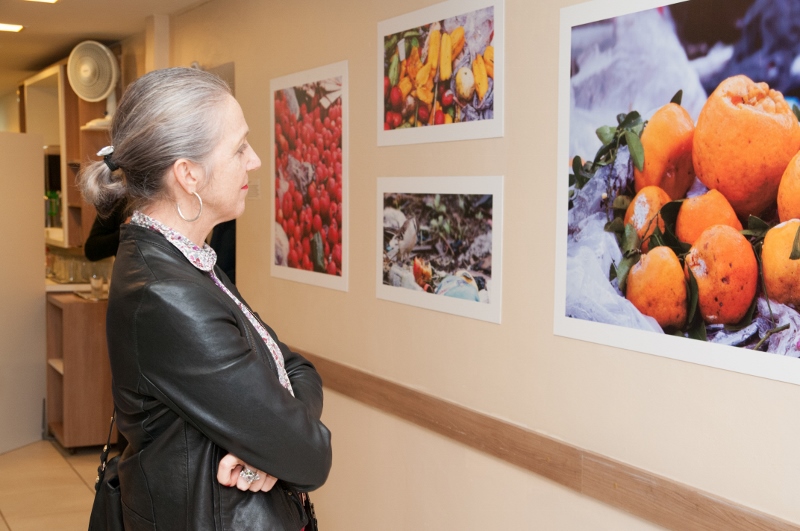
{"type": "Point", "coordinates": [9, 113]}
{"type": "Point", "coordinates": [726, 433]}
{"type": "Point", "coordinates": [22, 322]}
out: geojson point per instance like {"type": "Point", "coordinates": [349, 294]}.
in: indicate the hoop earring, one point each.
{"type": "Point", "coordinates": [198, 212]}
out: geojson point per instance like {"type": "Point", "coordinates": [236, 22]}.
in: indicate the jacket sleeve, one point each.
{"type": "Point", "coordinates": [306, 382]}
{"type": "Point", "coordinates": [198, 354]}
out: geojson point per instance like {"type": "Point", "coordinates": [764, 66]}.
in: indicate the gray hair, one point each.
{"type": "Point", "coordinates": [163, 116]}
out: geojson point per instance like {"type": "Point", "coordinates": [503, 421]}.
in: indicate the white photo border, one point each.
{"type": "Point", "coordinates": [458, 131]}
{"type": "Point", "coordinates": [761, 364]}
{"type": "Point", "coordinates": [324, 280]}
{"type": "Point", "coordinates": [492, 185]}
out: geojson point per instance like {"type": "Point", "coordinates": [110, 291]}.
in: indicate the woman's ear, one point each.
{"type": "Point", "coordinates": [187, 175]}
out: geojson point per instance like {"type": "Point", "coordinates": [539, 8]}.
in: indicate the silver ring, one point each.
{"type": "Point", "coordinates": [249, 475]}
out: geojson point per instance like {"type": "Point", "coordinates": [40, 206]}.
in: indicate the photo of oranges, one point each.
{"type": "Point", "coordinates": [684, 174]}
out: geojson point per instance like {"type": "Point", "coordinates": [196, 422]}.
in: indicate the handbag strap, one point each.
{"type": "Point", "coordinates": [101, 470]}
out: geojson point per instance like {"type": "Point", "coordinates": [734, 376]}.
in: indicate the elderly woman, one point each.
{"type": "Point", "coordinates": [222, 419]}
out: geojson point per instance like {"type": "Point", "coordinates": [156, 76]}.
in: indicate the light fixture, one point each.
{"type": "Point", "coordinates": [10, 27]}
{"type": "Point", "coordinates": [44, 1]}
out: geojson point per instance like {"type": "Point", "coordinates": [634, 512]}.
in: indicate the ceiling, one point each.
{"type": "Point", "coordinates": [52, 30]}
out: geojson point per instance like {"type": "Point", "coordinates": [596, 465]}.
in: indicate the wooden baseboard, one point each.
{"type": "Point", "coordinates": [657, 499]}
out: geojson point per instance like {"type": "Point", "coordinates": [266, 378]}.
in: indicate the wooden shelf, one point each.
{"type": "Point", "coordinates": [52, 108]}
{"type": "Point", "coordinates": [79, 401]}
{"type": "Point", "coordinates": [57, 429]}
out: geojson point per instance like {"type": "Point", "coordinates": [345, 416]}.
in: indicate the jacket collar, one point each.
{"type": "Point", "coordinates": [203, 258]}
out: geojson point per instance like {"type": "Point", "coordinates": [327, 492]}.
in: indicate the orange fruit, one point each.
{"type": "Point", "coordinates": [700, 212]}
{"type": "Point", "coordinates": [781, 275]}
{"type": "Point", "coordinates": [657, 287]}
{"type": "Point", "coordinates": [789, 191]}
{"type": "Point", "coordinates": [643, 212]}
{"type": "Point", "coordinates": [667, 142]}
{"type": "Point", "coordinates": [725, 268]}
{"type": "Point", "coordinates": [746, 134]}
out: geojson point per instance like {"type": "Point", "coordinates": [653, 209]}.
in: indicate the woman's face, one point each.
{"type": "Point", "coordinates": [224, 195]}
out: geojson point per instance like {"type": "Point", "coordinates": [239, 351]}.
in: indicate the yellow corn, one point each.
{"type": "Point", "coordinates": [405, 86]}
{"type": "Point", "coordinates": [433, 50]}
{"type": "Point", "coordinates": [481, 78]}
{"type": "Point", "coordinates": [413, 63]}
{"type": "Point", "coordinates": [457, 41]}
{"type": "Point", "coordinates": [489, 67]}
{"type": "Point", "coordinates": [425, 94]}
{"type": "Point", "coordinates": [446, 59]}
{"type": "Point", "coordinates": [422, 75]}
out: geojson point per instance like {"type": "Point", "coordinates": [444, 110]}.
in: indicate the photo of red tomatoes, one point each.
{"type": "Point", "coordinates": [309, 177]}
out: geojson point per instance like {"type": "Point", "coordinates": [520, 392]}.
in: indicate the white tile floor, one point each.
{"type": "Point", "coordinates": [44, 487]}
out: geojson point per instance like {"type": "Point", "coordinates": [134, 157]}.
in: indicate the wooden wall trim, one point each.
{"type": "Point", "coordinates": [657, 499]}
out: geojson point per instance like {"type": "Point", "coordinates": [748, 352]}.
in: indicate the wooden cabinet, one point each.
{"type": "Point", "coordinates": [52, 109]}
{"type": "Point", "coordinates": [79, 401]}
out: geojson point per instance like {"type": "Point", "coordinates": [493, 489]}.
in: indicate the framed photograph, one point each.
{"type": "Point", "coordinates": [440, 244]}
{"type": "Point", "coordinates": [676, 221]}
{"type": "Point", "coordinates": [440, 73]}
{"type": "Point", "coordinates": [309, 165]}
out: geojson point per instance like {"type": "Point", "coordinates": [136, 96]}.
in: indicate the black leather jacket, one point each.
{"type": "Point", "coordinates": [193, 381]}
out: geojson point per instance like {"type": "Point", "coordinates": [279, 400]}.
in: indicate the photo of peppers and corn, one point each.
{"type": "Point", "coordinates": [684, 180]}
{"type": "Point", "coordinates": [440, 73]}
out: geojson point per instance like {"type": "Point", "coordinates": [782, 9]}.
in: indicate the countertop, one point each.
{"type": "Point", "coordinates": [53, 286]}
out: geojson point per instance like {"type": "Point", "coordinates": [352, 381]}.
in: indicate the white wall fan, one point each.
{"type": "Point", "coordinates": [93, 73]}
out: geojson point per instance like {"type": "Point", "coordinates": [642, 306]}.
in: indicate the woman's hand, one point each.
{"type": "Point", "coordinates": [229, 473]}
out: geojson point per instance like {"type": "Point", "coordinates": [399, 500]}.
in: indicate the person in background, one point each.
{"type": "Point", "coordinates": [223, 241]}
{"type": "Point", "coordinates": [222, 419]}
{"type": "Point", "coordinates": [103, 239]}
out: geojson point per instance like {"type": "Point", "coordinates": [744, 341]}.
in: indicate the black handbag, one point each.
{"type": "Point", "coordinates": [312, 516]}
{"type": "Point", "coordinates": [107, 507]}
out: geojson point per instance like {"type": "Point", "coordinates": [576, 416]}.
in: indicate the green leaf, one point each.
{"type": "Point", "coordinates": [602, 152]}
{"type": "Point", "coordinates": [436, 200]}
{"type": "Point", "coordinates": [656, 238]}
{"type": "Point", "coordinates": [796, 111]}
{"type": "Point", "coordinates": [698, 331]}
{"type": "Point", "coordinates": [447, 226]}
{"type": "Point", "coordinates": [669, 212]}
{"type": "Point", "coordinates": [636, 149]}
{"type": "Point", "coordinates": [612, 272]}
{"type": "Point", "coordinates": [631, 119]}
{"type": "Point", "coordinates": [615, 225]}
{"type": "Point", "coordinates": [692, 292]}
{"type": "Point", "coordinates": [621, 117]}
{"type": "Point", "coordinates": [796, 246]}
{"type": "Point", "coordinates": [621, 202]}
{"type": "Point", "coordinates": [697, 328]}
{"type": "Point", "coordinates": [581, 180]}
{"type": "Point", "coordinates": [755, 223]}
{"type": "Point", "coordinates": [390, 43]}
{"type": "Point", "coordinates": [577, 169]}
{"type": "Point", "coordinates": [677, 98]}
{"type": "Point", "coordinates": [606, 134]}
{"type": "Point", "coordinates": [624, 268]}
{"type": "Point", "coordinates": [755, 233]}
{"type": "Point", "coordinates": [630, 240]}
{"type": "Point", "coordinates": [318, 253]}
